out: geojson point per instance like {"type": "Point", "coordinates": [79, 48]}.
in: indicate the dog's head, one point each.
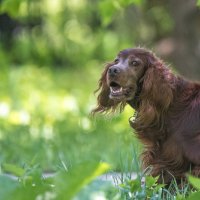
{"type": "Point", "coordinates": [125, 73]}
{"type": "Point", "coordinates": [134, 73]}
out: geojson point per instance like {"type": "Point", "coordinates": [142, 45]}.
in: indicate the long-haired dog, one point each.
{"type": "Point", "coordinates": [167, 106]}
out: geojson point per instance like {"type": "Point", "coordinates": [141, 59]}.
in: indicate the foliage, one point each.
{"type": "Point", "coordinates": [69, 33]}
{"type": "Point", "coordinates": [50, 57]}
{"type": "Point", "coordinates": [82, 182]}
{"type": "Point", "coordinates": [142, 189]}
{"type": "Point", "coordinates": [79, 176]}
{"type": "Point", "coordinates": [64, 185]}
{"type": "Point", "coordinates": [109, 8]}
{"type": "Point", "coordinates": [146, 187]}
{"type": "Point", "coordinates": [195, 182]}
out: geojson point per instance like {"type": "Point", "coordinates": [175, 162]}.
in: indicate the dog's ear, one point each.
{"type": "Point", "coordinates": [104, 103]}
{"type": "Point", "coordinates": [157, 91]}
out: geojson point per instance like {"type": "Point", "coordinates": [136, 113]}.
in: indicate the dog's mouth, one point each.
{"type": "Point", "coordinates": [116, 89]}
{"type": "Point", "coordinates": [119, 92]}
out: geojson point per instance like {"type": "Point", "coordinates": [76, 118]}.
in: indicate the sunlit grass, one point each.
{"type": "Point", "coordinates": [45, 114]}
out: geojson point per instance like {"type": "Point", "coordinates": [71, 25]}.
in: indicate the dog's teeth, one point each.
{"type": "Point", "coordinates": [116, 91]}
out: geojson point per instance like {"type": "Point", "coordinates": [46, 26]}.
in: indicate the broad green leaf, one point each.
{"type": "Point", "coordinates": [135, 185]}
{"type": "Point", "coordinates": [13, 169]}
{"type": "Point", "coordinates": [194, 181]}
{"type": "Point", "coordinates": [68, 184]}
{"type": "Point", "coordinates": [150, 181]}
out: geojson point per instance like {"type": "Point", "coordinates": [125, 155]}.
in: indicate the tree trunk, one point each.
{"type": "Point", "coordinates": [186, 37]}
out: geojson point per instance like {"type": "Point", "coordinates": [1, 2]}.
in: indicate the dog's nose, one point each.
{"type": "Point", "coordinates": [113, 71]}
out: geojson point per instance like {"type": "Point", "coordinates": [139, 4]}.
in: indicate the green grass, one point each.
{"type": "Point", "coordinates": [45, 116]}
{"type": "Point", "coordinates": [46, 126]}
{"type": "Point", "coordinates": [80, 182]}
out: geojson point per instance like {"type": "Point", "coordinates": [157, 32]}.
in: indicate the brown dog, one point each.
{"type": "Point", "coordinates": [167, 107]}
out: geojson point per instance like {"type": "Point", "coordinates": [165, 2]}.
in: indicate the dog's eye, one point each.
{"type": "Point", "coordinates": [116, 61]}
{"type": "Point", "coordinates": [134, 63]}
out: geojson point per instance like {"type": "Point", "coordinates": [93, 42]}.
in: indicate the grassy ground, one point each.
{"type": "Point", "coordinates": [44, 115]}
{"type": "Point", "coordinates": [46, 126]}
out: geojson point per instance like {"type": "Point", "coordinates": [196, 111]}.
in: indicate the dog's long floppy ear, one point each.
{"type": "Point", "coordinates": [104, 103]}
{"type": "Point", "coordinates": [157, 91]}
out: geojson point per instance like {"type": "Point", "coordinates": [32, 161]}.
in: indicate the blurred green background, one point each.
{"type": "Point", "coordinates": [51, 56]}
